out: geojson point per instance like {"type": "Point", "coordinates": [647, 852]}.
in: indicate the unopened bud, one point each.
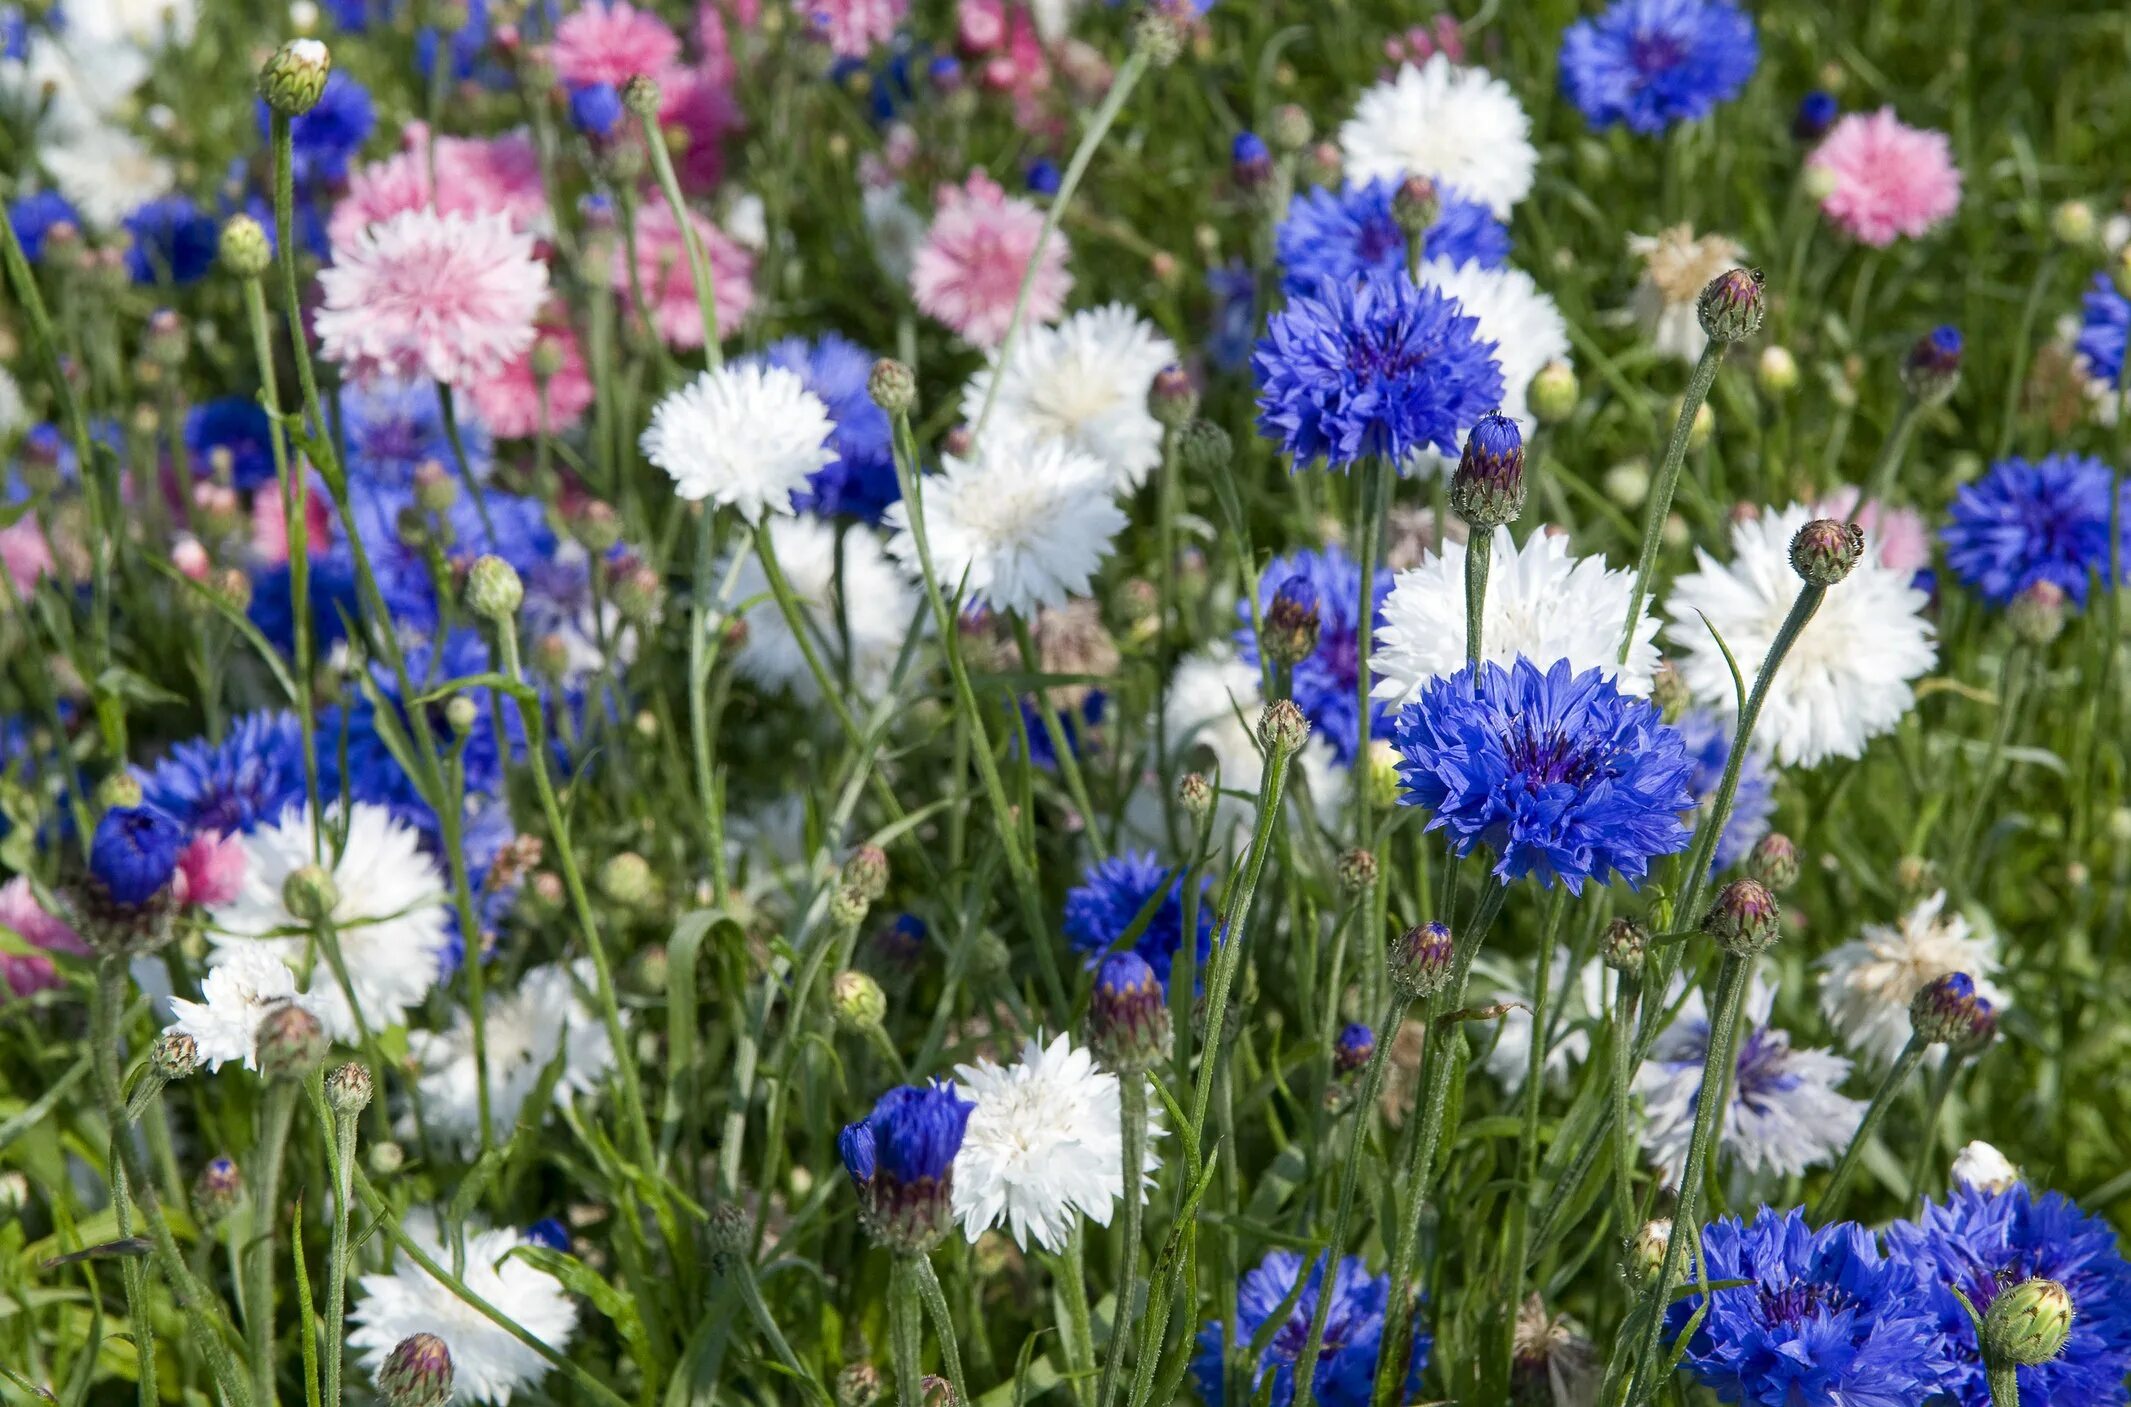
{"type": "Point", "coordinates": [417, 1373]}
{"type": "Point", "coordinates": [2037, 613]}
{"type": "Point", "coordinates": [294, 79]}
{"type": "Point", "coordinates": [893, 386]}
{"type": "Point", "coordinates": [1554, 393]}
{"type": "Point", "coordinates": [493, 590]}
{"type": "Point", "coordinates": [1128, 1014]}
{"type": "Point", "coordinates": [858, 1385]}
{"type": "Point", "coordinates": [291, 1042]}
{"type": "Point", "coordinates": [2027, 1325]}
{"type": "Point", "coordinates": [1730, 306]}
{"type": "Point", "coordinates": [1777, 371]}
{"type": "Point", "coordinates": [309, 894]}
{"type": "Point", "coordinates": [1668, 690]}
{"type": "Point", "coordinates": [857, 1000]}
{"type": "Point", "coordinates": [1646, 1256]}
{"type": "Point", "coordinates": [1624, 945]}
{"type": "Point", "coordinates": [1420, 959]}
{"type": "Point", "coordinates": [461, 713]}
{"type": "Point", "coordinates": [1172, 399]}
{"type": "Point", "coordinates": [1353, 1047]}
{"type": "Point", "coordinates": [1824, 551]}
{"type": "Point", "coordinates": [1773, 861]}
{"type": "Point", "coordinates": [174, 1055]}
{"type": "Point", "coordinates": [245, 250]}
{"type": "Point", "coordinates": [866, 871]}
{"type": "Point", "coordinates": [217, 1190]}
{"type": "Point", "coordinates": [1744, 919]}
{"type": "Point", "coordinates": [348, 1089]}
{"type": "Point", "coordinates": [1282, 727]}
{"type": "Point", "coordinates": [1416, 205]}
{"type": "Point", "coordinates": [1292, 621]}
{"type": "Point", "coordinates": [1487, 490]}
{"type": "Point", "coordinates": [2073, 224]}
{"type": "Point", "coordinates": [1194, 793]}
{"type": "Point", "coordinates": [641, 96]}
{"type": "Point", "coordinates": [1932, 369]}
{"type": "Point", "coordinates": [626, 879]}
{"type": "Point", "coordinates": [434, 487]}
{"type": "Point", "coordinates": [1948, 1009]}
{"type": "Point", "coordinates": [1357, 872]}
{"type": "Point", "coordinates": [1290, 128]}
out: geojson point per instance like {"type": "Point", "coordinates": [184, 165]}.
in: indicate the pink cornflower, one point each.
{"type": "Point", "coordinates": [1421, 43]}
{"type": "Point", "coordinates": [702, 107]}
{"type": "Point", "coordinates": [612, 43]}
{"type": "Point", "coordinates": [450, 297]}
{"type": "Point", "coordinates": [980, 25]}
{"type": "Point", "coordinates": [713, 41]}
{"type": "Point", "coordinates": [510, 403]}
{"type": "Point", "coordinates": [662, 265]}
{"type": "Point", "coordinates": [969, 269]}
{"type": "Point", "coordinates": [212, 867]}
{"type": "Point", "coordinates": [24, 551]}
{"type": "Point", "coordinates": [478, 175]}
{"type": "Point", "coordinates": [1903, 543]}
{"type": "Point", "coordinates": [1885, 179]}
{"type": "Point", "coordinates": [24, 973]}
{"type": "Point", "coordinates": [852, 27]}
{"type": "Point", "coordinates": [270, 524]}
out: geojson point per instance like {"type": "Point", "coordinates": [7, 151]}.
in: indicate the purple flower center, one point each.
{"type": "Point", "coordinates": [1547, 758]}
{"type": "Point", "coordinates": [1795, 1303]}
{"type": "Point", "coordinates": [1762, 1075]}
{"type": "Point", "coordinates": [1653, 54]}
{"type": "Point", "coordinates": [1380, 240]}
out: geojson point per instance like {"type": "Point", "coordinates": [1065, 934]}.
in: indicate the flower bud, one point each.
{"type": "Point", "coordinates": [866, 871]}
{"type": "Point", "coordinates": [1416, 206]}
{"type": "Point", "coordinates": [1420, 959]}
{"type": "Point", "coordinates": [1744, 919]}
{"type": "Point", "coordinates": [1933, 367]}
{"type": "Point", "coordinates": [217, 1190]}
{"type": "Point", "coordinates": [310, 894]}
{"type": "Point", "coordinates": [1487, 490]}
{"type": "Point", "coordinates": [856, 1000]}
{"type": "Point", "coordinates": [461, 713]}
{"type": "Point", "coordinates": [174, 1055]}
{"type": "Point", "coordinates": [1984, 1168]}
{"type": "Point", "coordinates": [1292, 622]}
{"type": "Point", "coordinates": [245, 249]}
{"type": "Point", "coordinates": [1816, 113]}
{"type": "Point", "coordinates": [1777, 371]}
{"type": "Point", "coordinates": [2072, 223]}
{"type": "Point", "coordinates": [1194, 793]}
{"type": "Point", "coordinates": [434, 488]}
{"type": "Point", "coordinates": [2027, 1325]}
{"type": "Point", "coordinates": [858, 1385]}
{"type": "Point", "coordinates": [417, 1373]}
{"type": "Point", "coordinates": [387, 1158]}
{"type": "Point", "coordinates": [1554, 393]}
{"type": "Point", "coordinates": [493, 590]}
{"type": "Point", "coordinates": [1357, 872]}
{"type": "Point", "coordinates": [1352, 1050]}
{"type": "Point", "coordinates": [1290, 128]}
{"type": "Point", "coordinates": [1325, 165]}
{"type": "Point", "coordinates": [1204, 449]}
{"type": "Point", "coordinates": [1824, 551]}
{"type": "Point", "coordinates": [294, 79]}
{"type": "Point", "coordinates": [732, 1230]}
{"type": "Point", "coordinates": [893, 386]}
{"type": "Point", "coordinates": [1172, 399]}
{"type": "Point", "coordinates": [1379, 773]}
{"type": "Point", "coordinates": [936, 1391]}
{"type": "Point", "coordinates": [1668, 690]}
{"type": "Point", "coordinates": [1731, 306]}
{"type": "Point", "coordinates": [1128, 1014]}
{"type": "Point", "coordinates": [848, 907]}
{"type": "Point", "coordinates": [291, 1042]}
{"type": "Point", "coordinates": [1646, 1255]}
{"type": "Point", "coordinates": [1159, 35]}
{"type": "Point", "coordinates": [348, 1089]}
{"type": "Point", "coordinates": [626, 878]}
{"type": "Point", "coordinates": [1948, 1010]}
{"type": "Point", "coordinates": [1250, 163]}
{"type": "Point", "coordinates": [1282, 727]}
{"type": "Point", "coordinates": [640, 94]}
{"type": "Point", "coordinates": [2037, 613]}
{"type": "Point", "coordinates": [1624, 945]}
{"type": "Point", "coordinates": [1773, 861]}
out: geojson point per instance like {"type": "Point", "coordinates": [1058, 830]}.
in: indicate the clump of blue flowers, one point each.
{"type": "Point", "coordinates": [1648, 64]}
{"type": "Point", "coordinates": [1707, 739]}
{"type": "Point", "coordinates": [1100, 910]}
{"type": "Point", "coordinates": [860, 482]}
{"type": "Point", "coordinates": [2030, 521]}
{"type": "Point", "coordinates": [2105, 322]}
{"type": "Point", "coordinates": [1353, 1333]}
{"type": "Point", "coordinates": [234, 786]}
{"type": "Point", "coordinates": [1326, 683]}
{"type": "Point", "coordinates": [1560, 774]}
{"type": "Point", "coordinates": [1375, 369]}
{"type": "Point", "coordinates": [1342, 236]}
{"type": "Point", "coordinates": [134, 852]}
{"type": "Point", "coordinates": [173, 239]}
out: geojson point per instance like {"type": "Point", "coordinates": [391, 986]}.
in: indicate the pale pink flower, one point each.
{"type": "Point", "coordinates": [497, 175]}
{"type": "Point", "coordinates": [190, 558]}
{"type": "Point", "coordinates": [702, 107]}
{"type": "Point", "coordinates": [969, 269]}
{"type": "Point", "coordinates": [662, 265]}
{"type": "Point", "coordinates": [1904, 544]}
{"type": "Point", "coordinates": [213, 869]}
{"type": "Point", "coordinates": [1885, 179]}
{"type": "Point", "coordinates": [1421, 43]}
{"type": "Point", "coordinates": [270, 524]}
{"type": "Point", "coordinates": [852, 27]}
{"type": "Point", "coordinates": [714, 43]}
{"type": "Point", "coordinates": [450, 297]}
{"type": "Point", "coordinates": [980, 25]}
{"type": "Point", "coordinates": [24, 973]}
{"type": "Point", "coordinates": [510, 403]}
{"type": "Point", "coordinates": [612, 43]}
{"type": "Point", "coordinates": [24, 551]}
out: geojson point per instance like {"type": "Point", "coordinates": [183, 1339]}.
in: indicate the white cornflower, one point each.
{"type": "Point", "coordinates": [1676, 268]}
{"type": "Point", "coordinates": [1213, 704]}
{"type": "Point", "coordinates": [1021, 526]}
{"type": "Point", "coordinates": [746, 435]}
{"type": "Point", "coordinates": [1570, 1014]}
{"type": "Point", "coordinates": [488, 1365]}
{"type": "Point", "coordinates": [106, 172]}
{"type": "Point", "coordinates": [1452, 123]}
{"type": "Point", "coordinates": [875, 613]}
{"type": "Point", "coordinates": [1517, 316]}
{"type": "Point", "coordinates": [1084, 384]}
{"type": "Point", "coordinates": [147, 24]}
{"type": "Point", "coordinates": [235, 995]}
{"type": "Point", "coordinates": [1542, 604]}
{"type": "Point", "coordinates": [1786, 1112]}
{"type": "Point", "coordinates": [897, 230]}
{"type": "Point", "coordinates": [1042, 1146]}
{"type": "Point", "coordinates": [1867, 983]}
{"type": "Point", "coordinates": [1984, 1168]}
{"type": "Point", "coordinates": [527, 1027]}
{"type": "Point", "coordinates": [391, 916]}
{"type": "Point", "coordinates": [1846, 679]}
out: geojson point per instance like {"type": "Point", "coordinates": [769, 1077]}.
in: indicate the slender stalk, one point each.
{"type": "Point", "coordinates": [1061, 743]}
{"type": "Point", "coordinates": [343, 1169]}
{"type": "Point", "coordinates": [2003, 1379]}
{"type": "Point", "coordinates": [1377, 475]}
{"type": "Point", "coordinates": [699, 265]}
{"type": "Point", "coordinates": [1069, 1277]}
{"type": "Point", "coordinates": [1927, 1144]}
{"type": "Point", "coordinates": [1132, 1131]}
{"type": "Point", "coordinates": [906, 1332]}
{"type": "Point", "coordinates": [448, 413]}
{"type": "Point", "coordinates": [275, 1116]}
{"type": "Point", "coordinates": [1479, 559]}
{"type": "Point", "coordinates": [1520, 1211]}
{"type": "Point", "coordinates": [1620, 1040]}
{"type": "Point", "coordinates": [701, 659]}
{"type": "Point", "coordinates": [1898, 1075]}
{"type": "Point", "coordinates": [1889, 463]}
{"type": "Point", "coordinates": [1667, 482]}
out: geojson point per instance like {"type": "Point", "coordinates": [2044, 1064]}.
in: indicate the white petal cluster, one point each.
{"type": "Point", "coordinates": [872, 615]}
{"type": "Point", "coordinates": [1523, 322]}
{"type": "Point", "coordinates": [1867, 983]}
{"type": "Point", "coordinates": [235, 996]}
{"type": "Point", "coordinates": [746, 436]}
{"type": "Point", "coordinates": [1456, 124]}
{"type": "Point", "coordinates": [1082, 383]}
{"type": "Point", "coordinates": [544, 1015]}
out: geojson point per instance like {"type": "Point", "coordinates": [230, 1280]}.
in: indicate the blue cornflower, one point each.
{"type": "Point", "coordinates": [239, 425]}
{"type": "Point", "coordinates": [392, 428]}
{"type": "Point", "coordinates": [172, 238]}
{"type": "Point", "coordinates": [1351, 1051]}
{"type": "Point", "coordinates": [550, 1233]}
{"type": "Point", "coordinates": [1707, 739]}
{"type": "Point", "coordinates": [1342, 236]}
{"type": "Point", "coordinates": [1375, 368]}
{"type": "Point", "coordinates": [596, 109]}
{"type": "Point", "coordinates": [1816, 113]}
{"type": "Point", "coordinates": [1984, 1242]}
{"type": "Point", "coordinates": [1825, 1318]}
{"type": "Point", "coordinates": [1353, 1333]}
{"type": "Point", "coordinates": [1100, 909]}
{"type": "Point", "coordinates": [521, 536]}
{"type": "Point", "coordinates": [468, 42]}
{"type": "Point", "coordinates": [1561, 774]}
{"type": "Point", "coordinates": [854, 1145]}
{"type": "Point", "coordinates": [135, 851]}
{"type": "Point", "coordinates": [1250, 161]}
{"type": "Point", "coordinates": [235, 786]}
{"type": "Point", "coordinates": [323, 140]}
{"type": "Point", "coordinates": [2031, 521]}
{"type": "Point", "coordinates": [902, 942]}
{"type": "Point", "coordinates": [901, 1159]}
{"type": "Point", "coordinates": [860, 481]}
{"type": "Point", "coordinates": [1077, 721]}
{"type": "Point", "coordinates": [1327, 681]}
{"type": "Point", "coordinates": [1234, 323]}
{"type": "Point", "coordinates": [1651, 63]}
{"type": "Point", "coordinates": [33, 217]}
{"type": "Point", "coordinates": [1043, 176]}
{"type": "Point", "coordinates": [334, 600]}
{"type": "Point", "coordinates": [2105, 321]}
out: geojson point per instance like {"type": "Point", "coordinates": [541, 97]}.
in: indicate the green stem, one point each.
{"type": "Point", "coordinates": [906, 1333]}
{"type": "Point", "coordinates": [1377, 475]}
{"type": "Point", "coordinates": [1132, 1131]}
{"type": "Point", "coordinates": [1668, 480]}
{"type": "Point", "coordinates": [1479, 559]}
{"type": "Point", "coordinates": [1619, 1041]}
{"type": "Point", "coordinates": [1528, 1133]}
{"type": "Point", "coordinates": [343, 1170]}
{"type": "Point", "coordinates": [699, 266]}
{"type": "Point", "coordinates": [275, 1117]}
{"type": "Point", "coordinates": [448, 413]}
{"type": "Point", "coordinates": [1934, 1107]}
{"type": "Point", "coordinates": [1839, 1184]}
{"type": "Point", "coordinates": [1061, 744]}
{"type": "Point", "coordinates": [1889, 463]}
{"type": "Point", "coordinates": [1069, 1278]}
{"type": "Point", "coordinates": [2003, 1379]}
{"type": "Point", "coordinates": [943, 1328]}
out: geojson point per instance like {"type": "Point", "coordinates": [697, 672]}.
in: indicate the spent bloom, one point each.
{"type": "Point", "coordinates": [1867, 983]}
{"type": "Point", "coordinates": [968, 271]}
{"type": "Point", "coordinates": [745, 436]}
{"type": "Point", "coordinates": [1335, 236]}
{"type": "Point", "coordinates": [1100, 910]}
{"type": "Point", "coordinates": [1083, 384]}
{"type": "Point", "coordinates": [1043, 1145]}
{"type": "Point", "coordinates": [1677, 266]}
{"type": "Point", "coordinates": [1353, 1334]}
{"type": "Point", "coordinates": [1648, 64]}
{"type": "Point", "coordinates": [1460, 126]}
{"type": "Point", "coordinates": [1885, 179]}
{"type": "Point", "coordinates": [450, 297]}
{"type": "Point", "coordinates": [1559, 773]}
{"type": "Point", "coordinates": [2029, 521]}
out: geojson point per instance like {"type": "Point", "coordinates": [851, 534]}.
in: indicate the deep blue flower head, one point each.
{"type": "Point", "coordinates": [1234, 290]}
{"type": "Point", "coordinates": [945, 71]}
{"type": "Point", "coordinates": [596, 109]}
{"type": "Point", "coordinates": [1248, 148]}
{"type": "Point", "coordinates": [1816, 113]}
{"type": "Point", "coordinates": [1101, 908]}
{"type": "Point", "coordinates": [1827, 1318]}
{"type": "Point", "coordinates": [1707, 739]}
{"type": "Point", "coordinates": [1940, 347]}
{"type": "Point", "coordinates": [323, 140]}
{"type": "Point", "coordinates": [860, 481]}
{"type": "Point", "coordinates": [550, 1233]}
{"type": "Point", "coordinates": [917, 1130]}
{"type": "Point", "coordinates": [135, 851]}
{"type": "Point", "coordinates": [2105, 321]}
{"type": "Point", "coordinates": [33, 217]}
{"type": "Point", "coordinates": [855, 1146]}
{"type": "Point", "coordinates": [468, 42]}
{"type": "Point", "coordinates": [1353, 1333]}
{"type": "Point", "coordinates": [1326, 682]}
{"type": "Point", "coordinates": [903, 941]}
{"type": "Point", "coordinates": [1077, 722]}
{"type": "Point", "coordinates": [172, 238]}
{"type": "Point", "coordinates": [2029, 521]}
{"type": "Point", "coordinates": [1379, 367]}
{"type": "Point", "coordinates": [334, 600]}
{"type": "Point", "coordinates": [1043, 176]}
{"type": "Point", "coordinates": [1984, 1242]}
{"type": "Point", "coordinates": [239, 425]}
{"type": "Point", "coordinates": [1346, 235]}
{"type": "Point", "coordinates": [235, 786]}
{"type": "Point", "coordinates": [1561, 774]}
{"type": "Point", "coordinates": [1355, 1045]}
{"type": "Point", "coordinates": [392, 428]}
{"type": "Point", "coordinates": [1651, 63]}
{"type": "Point", "coordinates": [516, 530]}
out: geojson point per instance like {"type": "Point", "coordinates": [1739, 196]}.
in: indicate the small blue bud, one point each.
{"type": "Point", "coordinates": [1817, 112]}
{"type": "Point", "coordinates": [596, 109]}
